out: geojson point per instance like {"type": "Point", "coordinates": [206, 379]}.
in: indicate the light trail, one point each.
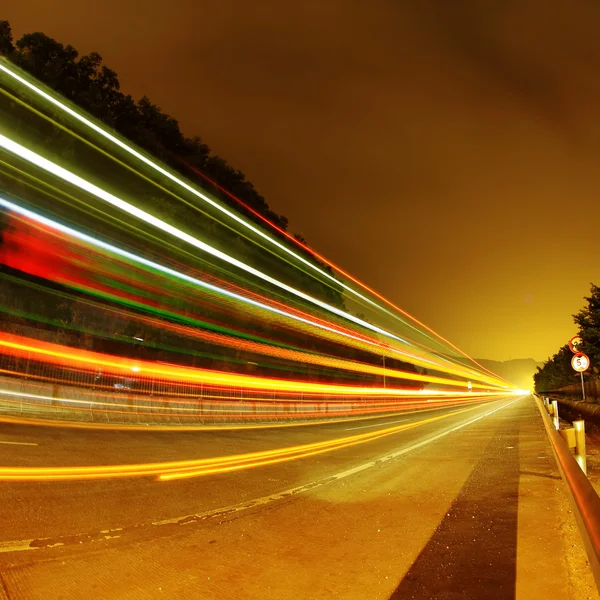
{"type": "Point", "coordinates": [138, 259]}
{"type": "Point", "coordinates": [102, 194]}
{"type": "Point", "coordinates": [71, 357]}
{"type": "Point", "coordinates": [191, 189]}
{"type": "Point", "coordinates": [240, 404]}
{"type": "Point", "coordinates": [339, 270]}
{"type": "Point", "coordinates": [264, 348]}
{"type": "Point", "coordinates": [168, 271]}
{"type": "Point", "coordinates": [383, 410]}
{"type": "Point", "coordinates": [17, 443]}
{"type": "Point", "coordinates": [166, 173]}
{"type": "Point", "coordinates": [66, 175]}
{"type": "Point", "coordinates": [167, 471]}
{"type": "Point", "coordinates": [239, 409]}
{"type": "Point", "coordinates": [382, 350]}
{"type": "Point", "coordinates": [424, 362]}
{"type": "Point", "coordinates": [226, 309]}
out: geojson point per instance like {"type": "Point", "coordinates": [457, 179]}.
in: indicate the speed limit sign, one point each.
{"type": "Point", "coordinates": [580, 362]}
{"type": "Point", "coordinates": [575, 344]}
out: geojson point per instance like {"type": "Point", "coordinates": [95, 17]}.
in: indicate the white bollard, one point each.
{"type": "Point", "coordinates": [555, 414]}
{"type": "Point", "coordinates": [580, 454]}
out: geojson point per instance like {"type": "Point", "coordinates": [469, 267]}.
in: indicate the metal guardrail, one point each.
{"type": "Point", "coordinates": [584, 497]}
{"type": "Point", "coordinates": [36, 389]}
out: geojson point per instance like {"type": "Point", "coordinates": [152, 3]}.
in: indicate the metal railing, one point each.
{"type": "Point", "coordinates": [584, 497]}
{"type": "Point", "coordinates": [36, 389]}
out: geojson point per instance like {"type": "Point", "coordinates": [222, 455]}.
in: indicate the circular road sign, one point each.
{"type": "Point", "coordinates": [580, 362]}
{"type": "Point", "coordinates": [575, 343]}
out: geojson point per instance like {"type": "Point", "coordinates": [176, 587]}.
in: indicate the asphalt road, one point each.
{"type": "Point", "coordinates": [428, 511]}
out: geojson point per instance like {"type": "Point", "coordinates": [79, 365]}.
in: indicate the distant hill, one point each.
{"type": "Point", "coordinates": [518, 371]}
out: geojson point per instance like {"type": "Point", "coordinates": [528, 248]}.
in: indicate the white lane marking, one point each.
{"type": "Point", "coordinates": [376, 424]}
{"type": "Point", "coordinates": [19, 545]}
{"type": "Point", "coordinates": [16, 546]}
{"type": "Point", "coordinates": [416, 412]}
{"type": "Point", "coordinates": [393, 455]}
{"type": "Point", "coordinates": [18, 443]}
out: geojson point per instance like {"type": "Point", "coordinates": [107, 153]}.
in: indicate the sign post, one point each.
{"type": "Point", "coordinates": [580, 362]}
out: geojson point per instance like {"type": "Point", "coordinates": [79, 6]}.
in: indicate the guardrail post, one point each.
{"type": "Point", "coordinates": [580, 454]}
{"type": "Point", "coordinates": [555, 414]}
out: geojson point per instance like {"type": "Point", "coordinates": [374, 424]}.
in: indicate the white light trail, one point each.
{"type": "Point", "coordinates": [189, 279]}
{"type": "Point", "coordinates": [127, 148]}
{"type": "Point", "coordinates": [166, 173]}
{"type": "Point", "coordinates": [94, 190]}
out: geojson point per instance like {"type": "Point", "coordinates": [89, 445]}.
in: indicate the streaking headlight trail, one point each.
{"type": "Point", "coordinates": [131, 298]}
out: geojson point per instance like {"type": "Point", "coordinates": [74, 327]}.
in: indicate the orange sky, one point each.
{"type": "Point", "coordinates": [447, 153]}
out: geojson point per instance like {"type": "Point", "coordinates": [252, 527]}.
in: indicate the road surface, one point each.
{"type": "Point", "coordinates": [453, 503]}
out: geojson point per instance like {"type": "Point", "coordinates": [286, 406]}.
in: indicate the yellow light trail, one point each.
{"type": "Point", "coordinates": [407, 408]}
{"type": "Point", "coordinates": [167, 471]}
{"type": "Point", "coordinates": [355, 411]}
{"type": "Point", "coordinates": [71, 357]}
